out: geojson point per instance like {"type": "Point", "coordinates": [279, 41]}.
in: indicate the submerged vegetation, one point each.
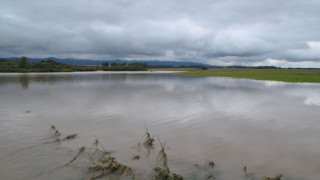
{"type": "Point", "coordinates": [101, 163]}
{"type": "Point", "coordinates": [164, 174]}
{"type": "Point", "coordinates": [286, 75]}
{"type": "Point", "coordinates": [148, 141]}
{"type": "Point", "coordinates": [163, 171]}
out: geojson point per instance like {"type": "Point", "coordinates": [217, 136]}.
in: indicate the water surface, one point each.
{"type": "Point", "coordinates": [270, 127]}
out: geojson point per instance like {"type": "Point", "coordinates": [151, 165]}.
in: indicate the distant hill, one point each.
{"type": "Point", "coordinates": [99, 62]}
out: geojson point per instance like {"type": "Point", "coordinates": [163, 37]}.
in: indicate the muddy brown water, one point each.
{"type": "Point", "coordinates": [270, 127]}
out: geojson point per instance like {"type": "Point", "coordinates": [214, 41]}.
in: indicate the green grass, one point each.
{"type": "Point", "coordinates": [285, 75]}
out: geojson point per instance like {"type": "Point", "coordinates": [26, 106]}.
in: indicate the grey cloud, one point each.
{"type": "Point", "coordinates": [229, 31]}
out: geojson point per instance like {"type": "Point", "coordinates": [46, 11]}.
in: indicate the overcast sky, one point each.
{"type": "Point", "coordinates": [221, 32]}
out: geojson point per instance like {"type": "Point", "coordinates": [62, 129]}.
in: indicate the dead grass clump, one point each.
{"type": "Point", "coordinates": [278, 177]}
{"type": "Point", "coordinates": [163, 173]}
{"type": "Point", "coordinates": [210, 163]}
{"type": "Point", "coordinates": [148, 141]}
{"type": "Point", "coordinates": [109, 164]}
{"type": "Point", "coordinates": [162, 156]}
{"type": "Point", "coordinates": [135, 157]}
{"type": "Point", "coordinates": [71, 136]}
{"type": "Point", "coordinates": [106, 164]}
{"type": "Point", "coordinates": [54, 131]}
{"type": "Point", "coordinates": [53, 127]}
{"type": "Point", "coordinates": [81, 150]}
{"type": "Point", "coordinates": [146, 149]}
{"type": "Point", "coordinates": [209, 176]}
{"type": "Point", "coordinates": [57, 133]}
{"type": "Point", "coordinates": [98, 147]}
{"type": "Point", "coordinates": [101, 161]}
{"type": "Point", "coordinates": [208, 168]}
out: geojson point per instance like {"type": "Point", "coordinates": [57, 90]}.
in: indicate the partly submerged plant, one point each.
{"type": "Point", "coordinates": [55, 133]}
{"type": "Point", "coordinates": [163, 173]}
{"type": "Point", "coordinates": [101, 161]}
{"type": "Point", "coordinates": [162, 156]}
{"type": "Point", "coordinates": [108, 164]}
{"type": "Point", "coordinates": [81, 150]}
{"type": "Point", "coordinates": [148, 141]}
{"type": "Point", "coordinates": [278, 177]}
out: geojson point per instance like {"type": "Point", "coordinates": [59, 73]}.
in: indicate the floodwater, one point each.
{"type": "Point", "coordinates": [269, 127]}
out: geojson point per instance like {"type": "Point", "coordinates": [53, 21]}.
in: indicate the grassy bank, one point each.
{"type": "Point", "coordinates": [286, 75]}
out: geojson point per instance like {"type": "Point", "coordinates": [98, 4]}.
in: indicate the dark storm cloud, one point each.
{"type": "Point", "coordinates": [212, 31]}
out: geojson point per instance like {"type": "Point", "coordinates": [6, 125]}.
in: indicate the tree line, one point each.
{"type": "Point", "coordinates": [23, 65]}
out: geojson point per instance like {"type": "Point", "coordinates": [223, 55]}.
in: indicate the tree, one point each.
{"type": "Point", "coordinates": [123, 64]}
{"type": "Point", "coordinates": [142, 65]}
{"type": "Point", "coordinates": [23, 62]}
{"type": "Point", "coordinates": [105, 64]}
{"type": "Point", "coordinates": [114, 64]}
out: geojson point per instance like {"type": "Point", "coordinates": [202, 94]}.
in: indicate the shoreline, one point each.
{"type": "Point", "coordinates": [283, 75]}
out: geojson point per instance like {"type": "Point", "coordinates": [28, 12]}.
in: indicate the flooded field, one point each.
{"type": "Point", "coordinates": [270, 127]}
